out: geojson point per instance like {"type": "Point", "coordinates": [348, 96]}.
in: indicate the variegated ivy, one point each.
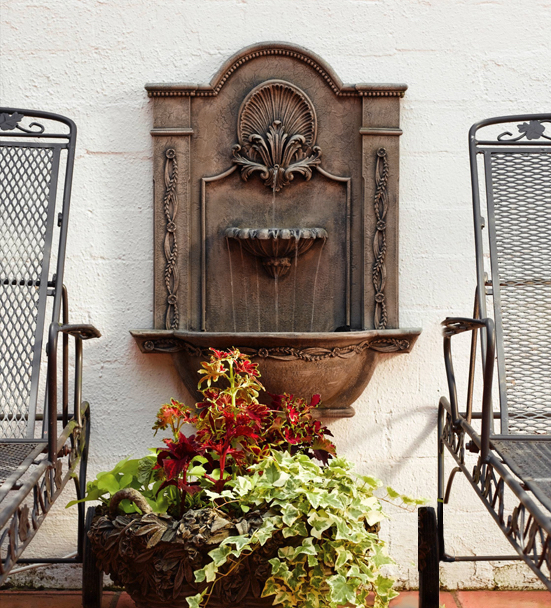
{"type": "Point", "coordinates": [333, 556]}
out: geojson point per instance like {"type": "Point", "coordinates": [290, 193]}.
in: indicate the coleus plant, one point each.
{"type": "Point", "coordinates": [233, 431]}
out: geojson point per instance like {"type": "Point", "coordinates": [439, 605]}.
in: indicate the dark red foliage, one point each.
{"type": "Point", "coordinates": [233, 429]}
{"type": "Point", "coordinates": [176, 458]}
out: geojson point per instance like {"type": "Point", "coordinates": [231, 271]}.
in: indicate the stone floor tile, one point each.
{"type": "Point", "coordinates": [410, 599]}
{"type": "Point", "coordinates": [504, 599]}
{"type": "Point", "coordinates": [52, 599]}
{"type": "Point", "coordinates": [125, 601]}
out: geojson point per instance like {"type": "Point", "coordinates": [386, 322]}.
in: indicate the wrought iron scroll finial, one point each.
{"type": "Point", "coordinates": [379, 240]}
{"type": "Point", "coordinates": [170, 206]}
{"type": "Point", "coordinates": [528, 130]}
{"type": "Point", "coordinates": [9, 122]}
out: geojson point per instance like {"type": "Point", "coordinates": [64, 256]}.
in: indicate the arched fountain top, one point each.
{"type": "Point", "coordinates": [268, 49]}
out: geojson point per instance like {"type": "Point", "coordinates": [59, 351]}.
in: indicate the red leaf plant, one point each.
{"type": "Point", "coordinates": [233, 430]}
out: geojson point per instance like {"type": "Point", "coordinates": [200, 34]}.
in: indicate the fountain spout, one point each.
{"type": "Point", "coordinates": [276, 246]}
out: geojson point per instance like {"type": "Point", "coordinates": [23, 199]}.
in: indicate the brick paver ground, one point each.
{"type": "Point", "coordinates": [407, 599]}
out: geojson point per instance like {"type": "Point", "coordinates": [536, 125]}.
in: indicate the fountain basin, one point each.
{"type": "Point", "coordinates": [337, 365]}
{"type": "Point", "coordinates": [277, 247]}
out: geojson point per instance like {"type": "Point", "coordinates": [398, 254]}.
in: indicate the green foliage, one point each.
{"type": "Point", "coordinates": [333, 557]}
{"type": "Point", "coordinates": [138, 474]}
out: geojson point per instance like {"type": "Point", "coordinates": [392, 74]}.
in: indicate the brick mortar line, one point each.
{"type": "Point", "coordinates": [456, 599]}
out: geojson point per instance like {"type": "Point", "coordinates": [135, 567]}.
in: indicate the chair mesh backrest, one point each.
{"type": "Point", "coordinates": [521, 188]}
{"type": "Point", "coordinates": [27, 178]}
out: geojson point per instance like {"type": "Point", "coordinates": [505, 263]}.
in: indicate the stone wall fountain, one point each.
{"type": "Point", "coordinates": [276, 223]}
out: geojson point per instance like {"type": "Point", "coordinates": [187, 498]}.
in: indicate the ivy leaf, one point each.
{"type": "Point", "coordinates": [344, 532]}
{"type": "Point", "coordinates": [314, 498]}
{"type": "Point", "coordinates": [271, 474]}
{"type": "Point", "coordinates": [290, 514]}
{"type": "Point", "coordinates": [312, 561]}
{"type": "Point", "coordinates": [243, 485]}
{"type": "Point", "coordinates": [331, 500]}
{"type": "Point", "coordinates": [210, 572]}
{"type": "Point", "coordinates": [374, 517]}
{"type": "Point", "coordinates": [306, 548]}
{"type": "Point", "coordinates": [380, 558]}
{"type": "Point", "coordinates": [281, 481]}
{"type": "Point", "coordinates": [271, 587]}
{"type": "Point", "coordinates": [320, 522]}
{"type": "Point", "coordinates": [372, 482]}
{"type": "Point", "coordinates": [194, 601]}
{"type": "Point", "coordinates": [298, 529]}
{"type": "Point", "coordinates": [383, 586]}
{"type": "Point", "coordinates": [239, 541]}
{"type": "Point", "coordinates": [280, 570]}
{"type": "Point", "coordinates": [200, 575]}
{"type": "Point", "coordinates": [220, 554]}
{"type": "Point", "coordinates": [342, 556]}
{"type": "Point", "coordinates": [341, 591]}
{"type": "Point", "coordinates": [392, 493]}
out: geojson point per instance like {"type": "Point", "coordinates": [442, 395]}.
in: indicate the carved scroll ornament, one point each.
{"type": "Point", "coordinates": [170, 206]}
{"type": "Point", "coordinates": [380, 319]}
{"type": "Point", "coordinates": [277, 129]}
{"type": "Point", "coordinates": [284, 353]}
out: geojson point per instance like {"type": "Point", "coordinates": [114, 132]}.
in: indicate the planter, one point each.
{"type": "Point", "coordinates": [154, 556]}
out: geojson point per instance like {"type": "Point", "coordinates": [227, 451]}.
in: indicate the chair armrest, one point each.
{"type": "Point", "coordinates": [82, 331]}
{"type": "Point", "coordinates": [457, 325]}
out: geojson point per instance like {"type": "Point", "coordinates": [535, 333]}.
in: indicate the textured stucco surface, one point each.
{"type": "Point", "coordinates": [463, 60]}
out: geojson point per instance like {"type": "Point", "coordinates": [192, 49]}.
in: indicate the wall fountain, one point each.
{"type": "Point", "coordinates": [276, 223]}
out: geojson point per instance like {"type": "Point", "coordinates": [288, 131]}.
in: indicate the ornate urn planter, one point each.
{"type": "Point", "coordinates": [154, 556]}
{"type": "Point", "coordinates": [276, 223]}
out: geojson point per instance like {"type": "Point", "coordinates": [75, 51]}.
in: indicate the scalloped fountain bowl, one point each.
{"type": "Point", "coordinates": [276, 247]}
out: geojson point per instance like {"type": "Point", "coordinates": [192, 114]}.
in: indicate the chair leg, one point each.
{"type": "Point", "coordinates": [92, 576]}
{"type": "Point", "coordinates": [80, 483]}
{"type": "Point", "coordinates": [429, 575]}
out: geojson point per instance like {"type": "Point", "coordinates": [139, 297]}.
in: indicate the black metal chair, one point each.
{"type": "Point", "coordinates": [41, 449]}
{"type": "Point", "coordinates": [511, 472]}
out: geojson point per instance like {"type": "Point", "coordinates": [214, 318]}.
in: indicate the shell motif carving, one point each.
{"type": "Point", "coordinates": [277, 130]}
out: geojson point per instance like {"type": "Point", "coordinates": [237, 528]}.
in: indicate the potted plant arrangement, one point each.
{"type": "Point", "coordinates": [240, 512]}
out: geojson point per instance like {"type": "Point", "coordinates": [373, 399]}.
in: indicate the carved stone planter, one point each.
{"type": "Point", "coordinates": [154, 558]}
{"type": "Point", "coordinates": [276, 223]}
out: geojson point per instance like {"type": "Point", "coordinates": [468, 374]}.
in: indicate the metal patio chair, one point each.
{"type": "Point", "coordinates": [511, 170]}
{"type": "Point", "coordinates": [41, 449]}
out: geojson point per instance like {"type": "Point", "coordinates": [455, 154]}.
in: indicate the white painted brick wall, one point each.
{"type": "Point", "coordinates": [463, 60]}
